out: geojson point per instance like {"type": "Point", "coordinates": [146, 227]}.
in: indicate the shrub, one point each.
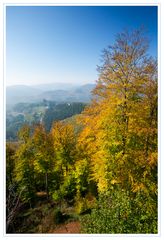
{"type": "Point", "coordinates": [58, 216]}
{"type": "Point", "coordinates": [84, 204]}
{"type": "Point", "coordinates": [119, 212]}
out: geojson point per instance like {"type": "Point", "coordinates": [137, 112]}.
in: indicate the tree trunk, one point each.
{"type": "Point", "coordinates": [46, 179]}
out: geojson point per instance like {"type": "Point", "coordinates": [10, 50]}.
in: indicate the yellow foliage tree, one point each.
{"type": "Point", "coordinates": [120, 126]}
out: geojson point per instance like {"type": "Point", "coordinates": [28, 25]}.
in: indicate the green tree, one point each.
{"type": "Point", "coordinates": [24, 170]}
{"type": "Point", "coordinates": [44, 159]}
{"type": "Point", "coordinates": [10, 163]}
{"type": "Point", "coordinates": [64, 141]}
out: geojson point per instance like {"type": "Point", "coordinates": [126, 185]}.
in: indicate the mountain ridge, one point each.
{"type": "Point", "coordinates": [66, 93]}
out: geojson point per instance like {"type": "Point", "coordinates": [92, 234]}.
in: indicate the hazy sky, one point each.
{"type": "Point", "coordinates": [64, 44]}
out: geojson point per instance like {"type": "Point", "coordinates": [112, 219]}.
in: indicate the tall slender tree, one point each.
{"type": "Point", "coordinates": [24, 170]}
{"type": "Point", "coordinates": [43, 154]}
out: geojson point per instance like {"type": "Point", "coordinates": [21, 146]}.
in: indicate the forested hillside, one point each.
{"type": "Point", "coordinates": [44, 112]}
{"type": "Point", "coordinates": [100, 169]}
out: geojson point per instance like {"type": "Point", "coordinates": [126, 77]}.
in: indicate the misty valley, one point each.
{"type": "Point", "coordinates": [49, 106]}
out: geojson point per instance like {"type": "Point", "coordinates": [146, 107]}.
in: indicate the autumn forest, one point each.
{"type": "Point", "coordinates": [97, 170]}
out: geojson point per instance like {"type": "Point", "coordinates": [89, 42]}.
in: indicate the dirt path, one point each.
{"type": "Point", "coordinates": [71, 227]}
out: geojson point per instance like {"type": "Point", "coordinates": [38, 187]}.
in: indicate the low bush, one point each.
{"type": "Point", "coordinates": [120, 212]}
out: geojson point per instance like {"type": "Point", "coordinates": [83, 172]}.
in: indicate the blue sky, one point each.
{"type": "Point", "coordinates": [46, 44]}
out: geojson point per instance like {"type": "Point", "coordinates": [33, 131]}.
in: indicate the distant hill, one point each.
{"type": "Point", "coordinates": [56, 86]}
{"type": "Point", "coordinates": [80, 94]}
{"type": "Point", "coordinates": [64, 93]}
{"type": "Point", "coordinates": [56, 95]}
{"type": "Point", "coordinates": [21, 93]}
